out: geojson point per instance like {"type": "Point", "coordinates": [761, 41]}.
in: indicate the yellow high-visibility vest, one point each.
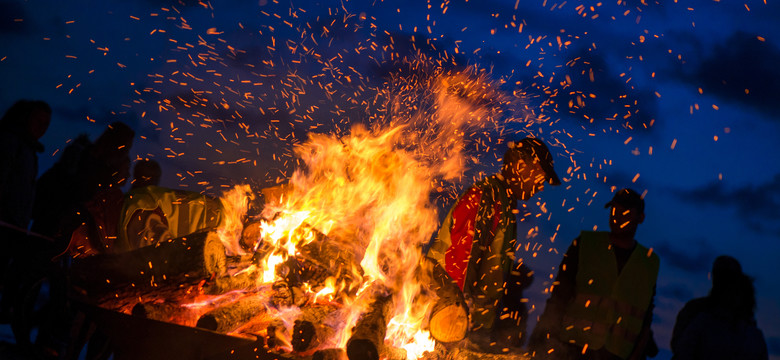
{"type": "Point", "coordinates": [609, 308]}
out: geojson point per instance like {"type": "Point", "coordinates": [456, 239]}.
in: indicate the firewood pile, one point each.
{"type": "Point", "coordinates": [190, 281]}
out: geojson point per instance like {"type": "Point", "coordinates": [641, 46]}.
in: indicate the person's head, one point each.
{"type": "Point", "coordinates": [116, 139]}
{"type": "Point", "coordinates": [146, 172]}
{"type": "Point", "coordinates": [527, 166]}
{"type": "Point", "coordinates": [112, 148]}
{"type": "Point", "coordinates": [731, 287]}
{"type": "Point", "coordinates": [724, 270]}
{"type": "Point", "coordinates": [627, 211]}
{"type": "Point", "coordinates": [30, 118]}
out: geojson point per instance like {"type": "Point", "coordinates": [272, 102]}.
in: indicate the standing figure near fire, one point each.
{"type": "Point", "coordinates": [721, 325]}
{"type": "Point", "coordinates": [104, 168]}
{"type": "Point", "coordinates": [475, 243]}
{"type": "Point", "coordinates": [20, 128]}
{"type": "Point", "coordinates": [601, 304]}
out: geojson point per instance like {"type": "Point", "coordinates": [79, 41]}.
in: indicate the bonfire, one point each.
{"type": "Point", "coordinates": [330, 263]}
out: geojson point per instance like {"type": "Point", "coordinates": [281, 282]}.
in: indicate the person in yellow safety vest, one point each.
{"type": "Point", "coordinates": [151, 214]}
{"type": "Point", "coordinates": [601, 304]}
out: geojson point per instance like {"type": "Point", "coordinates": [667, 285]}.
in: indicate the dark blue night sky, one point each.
{"type": "Point", "coordinates": [675, 99]}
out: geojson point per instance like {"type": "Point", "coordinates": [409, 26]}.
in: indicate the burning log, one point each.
{"type": "Point", "coordinates": [449, 319]}
{"type": "Point", "coordinates": [197, 256]}
{"type": "Point", "coordinates": [329, 354]}
{"type": "Point", "coordinates": [286, 295]}
{"type": "Point", "coordinates": [439, 351]}
{"type": "Point", "coordinates": [277, 335]}
{"type": "Point", "coordinates": [311, 329]}
{"type": "Point", "coordinates": [393, 353]}
{"type": "Point", "coordinates": [368, 335]}
{"type": "Point", "coordinates": [160, 311]}
{"type": "Point", "coordinates": [320, 258]}
{"type": "Point", "coordinates": [245, 280]}
{"type": "Point", "coordinates": [229, 317]}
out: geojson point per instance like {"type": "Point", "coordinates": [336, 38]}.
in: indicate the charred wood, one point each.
{"type": "Point", "coordinates": [329, 354]}
{"type": "Point", "coordinates": [199, 256]}
{"type": "Point", "coordinates": [242, 281]}
{"type": "Point", "coordinates": [320, 257]}
{"type": "Point", "coordinates": [227, 318]}
{"type": "Point", "coordinates": [368, 335]}
{"type": "Point", "coordinates": [393, 353]}
{"type": "Point", "coordinates": [285, 295]}
{"type": "Point", "coordinates": [161, 311]}
{"type": "Point", "coordinates": [311, 328]}
{"type": "Point", "coordinates": [277, 335]}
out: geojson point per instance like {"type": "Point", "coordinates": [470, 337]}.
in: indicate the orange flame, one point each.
{"type": "Point", "coordinates": [370, 193]}
{"type": "Point", "coordinates": [235, 203]}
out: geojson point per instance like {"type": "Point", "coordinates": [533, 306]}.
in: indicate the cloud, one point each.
{"type": "Point", "coordinates": [756, 206]}
{"type": "Point", "coordinates": [677, 291]}
{"type": "Point", "coordinates": [695, 256]}
{"type": "Point", "coordinates": [743, 69]}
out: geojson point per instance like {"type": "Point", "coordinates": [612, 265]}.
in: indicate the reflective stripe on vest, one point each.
{"type": "Point", "coordinates": [609, 308]}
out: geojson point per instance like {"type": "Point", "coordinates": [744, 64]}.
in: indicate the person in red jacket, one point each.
{"type": "Point", "coordinates": [475, 243]}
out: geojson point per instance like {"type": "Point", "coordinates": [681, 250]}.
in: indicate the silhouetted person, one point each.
{"type": "Point", "coordinates": [78, 205]}
{"type": "Point", "coordinates": [111, 158]}
{"type": "Point", "coordinates": [146, 172]}
{"type": "Point", "coordinates": [104, 169]}
{"type": "Point", "coordinates": [722, 325]}
{"type": "Point", "coordinates": [83, 170]}
{"type": "Point", "coordinates": [20, 128]}
{"type": "Point", "coordinates": [476, 241]}
{"type": "Point", "coordinates": [87, 180]}
{"type": "Point", "coordinates": [56, 192]}
{"type": "Point", "coordinates": [601, 303]}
